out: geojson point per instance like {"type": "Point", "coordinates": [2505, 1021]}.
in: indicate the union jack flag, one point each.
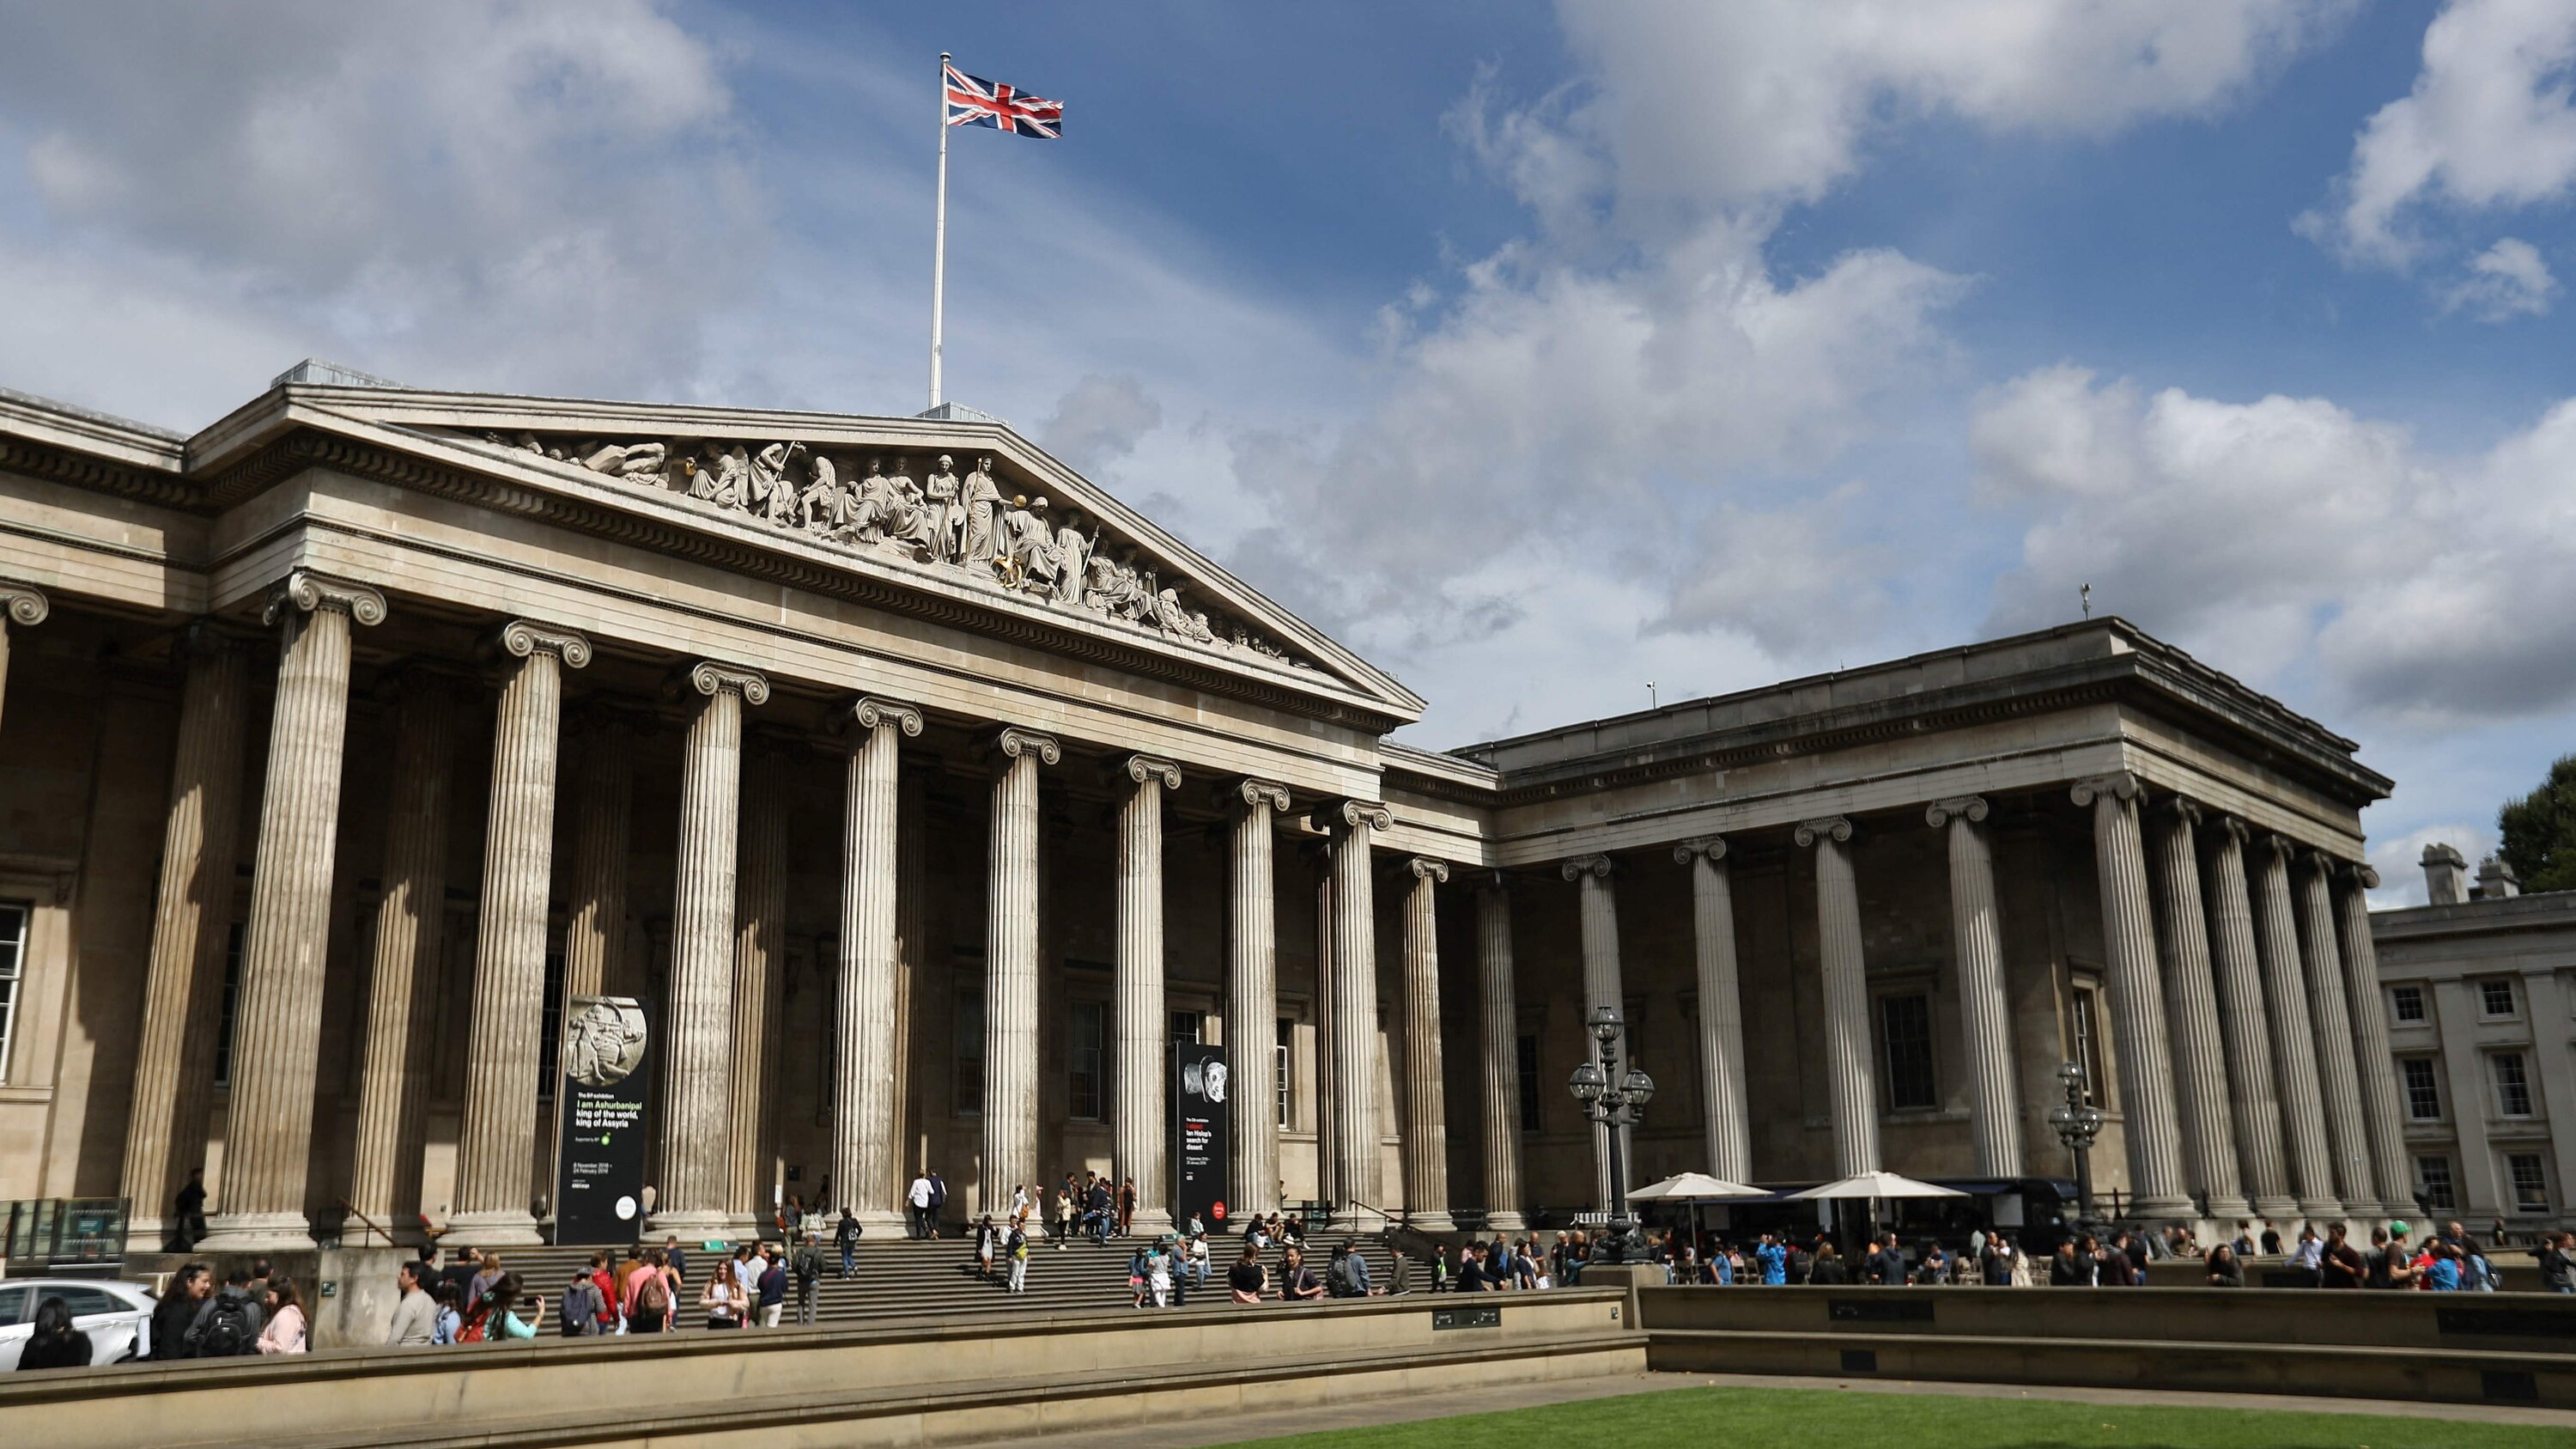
{"type": "Point", "coordinates": [975, 101]}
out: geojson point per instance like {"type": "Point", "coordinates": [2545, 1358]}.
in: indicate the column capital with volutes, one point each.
{"type": "Point", "coordinates": [521, 638]}
{"type": "Point", "coordinates": [2117, 785]}
{"type": "Point", "coordinates": [1013, 741]}
{"type": "Point", "coordinates": [1423, 867]}
{"type": "Point", "coordinates": [1345, 816]}
{"type": "Point", "coordinates": [1250, 793]}
{"type": "Point", "coordinates": [2182, 808]}
{"type": "Point", "coordinates": [861, 714]}
{"type": "Point", "coordinates": [1599, 867]}
{"type": "Point", "coordinates": [1836, 828]}
{"type": "Point", "coordinates": [2233, 827]}
{"type": "Point", "coordinates": [25, 605]}
{"type": "Point", "coordinates": [1711, 848]}
{"type": "Point", "coordinates": [711, 677]}
{"type": "Point", "coordinates": [1971, 808]}
{"type": "Point", "coordinates": [2358, 873]}
{"type": "Point", "coordinates": [308, 592]}
{"type": "Point", "coordinates": [1148, 770]}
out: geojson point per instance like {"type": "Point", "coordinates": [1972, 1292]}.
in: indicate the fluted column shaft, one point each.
{"type": "Point", "coordinates": [2191, 1010]}
{"type": "Point", "coordinates": [278, 1011]}
{"type": "Point", "coordinates": [191, 923]}
{"type": "Point", "coordinates": [2376, 1070]}
{"type": "Point", "coordinates": [1851, 1076]}
{"type": "Point", "coordinates": [2338, 1082]}
{"type": "Point", "coordinates": [914, 982]}
{"type": "Point", "coordinates": [1139, 1130]}
{"type": "Point", "coordinates": [1426, 1096]}
{"type": "Point", "coordinates": [759, 987]}
{"type": "Point", "coordinates": [1498, 1007]}
{"type": "Point", "coordinates": [1252, 997]}
{"type": "Point", "coordinates": [867, 1146]}
{"type": "Point", "coordinates": [2137, 999]}
{"type": "Point", "coordinates": [2252, 1091]}
{"type": "Point", "coordinates": [496, 1147]}
{"type": "Point", "coordinates": [25, 607]}
{"type": "Point", "coordinates": [1356, 1170]}
{"type": "Point", "coordinates": [595, 938]}
{"type": "Point", "coordinates": [1721, 1010]}
{"type": "Point", "coordinates": [1598, 908]}
{"type": "Point", "coordinates": [1011, 970]}
{"type": "Point", "coordinates": [697, 1034]}
{"type": "Point", "coordinates": [1994, 1098]}
{"type": "Point", "coordinates": [2294, 1042]}
{"type": "Point", "coordinates": [411, 917]}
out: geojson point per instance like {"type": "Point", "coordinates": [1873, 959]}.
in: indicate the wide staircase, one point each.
{"type": "Point", "coordinates": [898, 1277]}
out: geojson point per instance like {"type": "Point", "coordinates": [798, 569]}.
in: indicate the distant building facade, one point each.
{"type": "Point", "coordinates": [922, 795]}
{"type": "Point", "coordinates": [2481, 1004]}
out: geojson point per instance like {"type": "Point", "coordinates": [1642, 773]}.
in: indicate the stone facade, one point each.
{"type": "Point", "coordinates": [923, 818]}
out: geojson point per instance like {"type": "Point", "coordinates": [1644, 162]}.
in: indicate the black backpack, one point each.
{"type": "Point", "coordinates": [226, 1331]}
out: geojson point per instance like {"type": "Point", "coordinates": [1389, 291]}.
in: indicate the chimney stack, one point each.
{"type": "Point", "coordinates": [2446, 875]}
{"type": "Point", "coordinates": [2496, 879]}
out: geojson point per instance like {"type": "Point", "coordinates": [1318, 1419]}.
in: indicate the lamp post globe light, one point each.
{"type": "Point", "coordinates": [2078, 1122]}
{"type": "Point", "coordinates": [1614, 1099]}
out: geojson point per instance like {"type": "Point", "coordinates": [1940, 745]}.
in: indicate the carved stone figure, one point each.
{"type": "Point", "coordinates": [724, 478]}
{"type": "Point", "coordinates": [947, 515]}
{"type": "Point", "coordinates": [772, 494]}
{"type": "Point", "coordinates": [604, 1042]}
{"type": "Point", "coordinates": [825, 504]}
{"type": "Point", "coordinates": [1072, 552]}
{"type": "Point", "coordinates": [889, 509]}
{"type": "Point", "coordinates": [981, 496]}
{"type": "Point", "coordinates": [1028, 547]}
{"type": "Point", "coordinates": [1179, 622]}
{"type": "Point", "coordinates": [634, 462]}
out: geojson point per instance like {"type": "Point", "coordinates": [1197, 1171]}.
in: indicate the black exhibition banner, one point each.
{"type": "Point", "coordinates": [600, 1105]}
{"type": "Point", "coordinates": [1199, 1134]}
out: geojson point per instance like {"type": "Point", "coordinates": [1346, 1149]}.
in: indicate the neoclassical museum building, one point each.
{"type": "Point", "coordinates": [921, 795]}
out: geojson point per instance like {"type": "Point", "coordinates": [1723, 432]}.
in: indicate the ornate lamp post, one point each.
{"type": "Point", "coordinates": [1615, 1099]}
{"type": "Point", "coordinates": [2078, 1122]}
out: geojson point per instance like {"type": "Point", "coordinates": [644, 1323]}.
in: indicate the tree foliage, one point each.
{"type": "Point", "coordinates": [2539, 831]}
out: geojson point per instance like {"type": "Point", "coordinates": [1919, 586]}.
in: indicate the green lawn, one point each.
{"type": "Point", "coordinates": [1760, 1418]}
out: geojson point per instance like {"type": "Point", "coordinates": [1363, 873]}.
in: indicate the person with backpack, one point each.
{"type": "Point", "coordinates": [2477, 1275]}
{"type": "Point", "coordinates": [846, 1238]}
{"type": "Point", "coordinates": [649, 1295]}
{"type": "Point", "coordinates": [938, 1203]}
{"type": "Point", "coordinates": [228, 1325]}
{"type": "Point", "coordinates": [771, 1294]}
{"type": "Point", "coordinates": [448, 1321]}
{"type": "Point", "coordinates": [809, 1279]}
{"type": "Point", "coordinates": [604, 1279]}
{"type": "Point", "coordinates": [581, 1304]}
{"type": "Point", "coordinates": [1138, 1268]}
{"type": "Point", "coordinates": [2557, 1259]}
{"type": "Point", "coordinates": [501, 1320]}
{"type": "Point", "coordinates": [1018, 1249]}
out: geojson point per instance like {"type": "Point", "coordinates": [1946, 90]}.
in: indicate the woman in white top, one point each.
{"type": "Point", "coordinates": [723, 1300]}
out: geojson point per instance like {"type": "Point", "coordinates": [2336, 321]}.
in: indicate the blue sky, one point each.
{"type": "Point", "coordinates": [1538, 353]}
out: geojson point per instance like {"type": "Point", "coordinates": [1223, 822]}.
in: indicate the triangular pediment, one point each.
{"type": "Point", "coordinates": [999, 518]}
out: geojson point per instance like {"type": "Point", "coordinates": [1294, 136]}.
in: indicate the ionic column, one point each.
{"type": "Point", "coordinates": [1011, 968]}
{"type": "Point", "coordinates": [411, 918]}
{"type": "Point", "coordinates": [1354, 998]}
{"type": "Point", "coordinates": [604, 797]}
{"type": "Point", "coordinates": [25, 607]}
{"type": "Point", "coordinates": [278, 1010]}
{"type": "Point", "coordinates": [2347, 1138]}
{"type": "Point", "coordinates": [2294, 1042]}
{"type": "Point", "coordinates": [1721, 1009]}
{"type": "Point", "coordinates": [1851, 1075]}
{"type": "Point", "coordinates": [1426, 1099]}
{"type": "Point", "coordinates": [697, 1033]}
{"type": "Point", "coordinates": [1599, 908]}
{"type": "Point", "coordinates": [2252, 1095]}
{"type": "Point", "coordinates": [867, 1128]}
{"type": "Point", "coordinates": [759, 986]}
{"type": "Point", "coordinates": [497, 1145]}
{"type": "Point", "coordinates": [191, 923]}
{"type": "Point", "coordinates": [2376, 1069]}
{"type": "Point", "coordinates": [1994, 1101]}
{"type": "Point", "coordinates": [2191, 1008]}
{"type": "Point", "coordinates": [2137, 997]}
{"type": "Point", "coordinates": [1139, 1130]}
{"type": "Point", "coordinates": [1252, 995]}
{"type": "Point", "coordinates": [1498, 1007]}
{"type": "Point", "coordinates": [915, 980]}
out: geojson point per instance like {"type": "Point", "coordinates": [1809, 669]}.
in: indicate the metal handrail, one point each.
{"type": "Point", "coordinates": [372, 1226]}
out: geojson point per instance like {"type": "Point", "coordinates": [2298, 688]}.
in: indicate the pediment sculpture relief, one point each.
{"type": "Point", "coordinates": [1004, 538]}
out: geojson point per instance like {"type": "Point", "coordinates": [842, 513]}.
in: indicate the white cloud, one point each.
{"type": "Point", "coordinates": [2288, 533]}
{"type": "Point", "coordinates": [2505, 281]}
{"type": "Point", "coordinates": [1100, 421]}
{"type": "Point", "coordinates": [2488, 124]}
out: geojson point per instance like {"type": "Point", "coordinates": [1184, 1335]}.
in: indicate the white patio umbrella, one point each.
{"type": "Point", "coordinates": [1872, 1185]}
{"type": "Point", "coordinates": [1692, 1187]}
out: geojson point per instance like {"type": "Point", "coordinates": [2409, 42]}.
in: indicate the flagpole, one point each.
{"type": "Point", "coordinates": [939, 246]}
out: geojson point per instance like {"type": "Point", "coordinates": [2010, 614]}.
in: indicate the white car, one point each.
{"type": "Point", "coordinates": [117, 1316]}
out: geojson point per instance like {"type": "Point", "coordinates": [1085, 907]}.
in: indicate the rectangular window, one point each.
{"type": "Point", "coordinates": [1188, 1026]}
{"type": "Point", "coordinates": [13, 969]}
{"type": "Point", "coordinates": [2495, 998]}
{"type": "Point", "coordinates": [2436, 1175]}
{"type": "Point", "coordinates": [2530, 1182]}
{"type": "Point", "coordinates": [1632, 1042]}
{"type": "Point", "coordinates": [550, 1026]}
{"type": "Point", "coordinates": [2088, 1043]}
{"type": "Point", "coordinates": [2512, 1085]}
{"type": "Point", "coordinates": [1525, 1054]}
{"type": "Point", "coordinates": [1905, 1036]}
{"type": "Point", "coordinates": [232, 997]}
{"type": "Point", "coordinates": [2407, 1001]}
{"type": "Point", "coordinates": [1086, 1091]}
{"type": "Point", "coordinates": [966, 1050]}
{"type": "Point", "coordinates": [2423, 1089]}
{"type": "Point", "coordinates": [1285, 1048]}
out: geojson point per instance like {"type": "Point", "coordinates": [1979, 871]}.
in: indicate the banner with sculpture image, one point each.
{"type": "Point", "coordinates": [601, 1104]}
{"type": "Point", "coordinates": [1198, 1134]}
